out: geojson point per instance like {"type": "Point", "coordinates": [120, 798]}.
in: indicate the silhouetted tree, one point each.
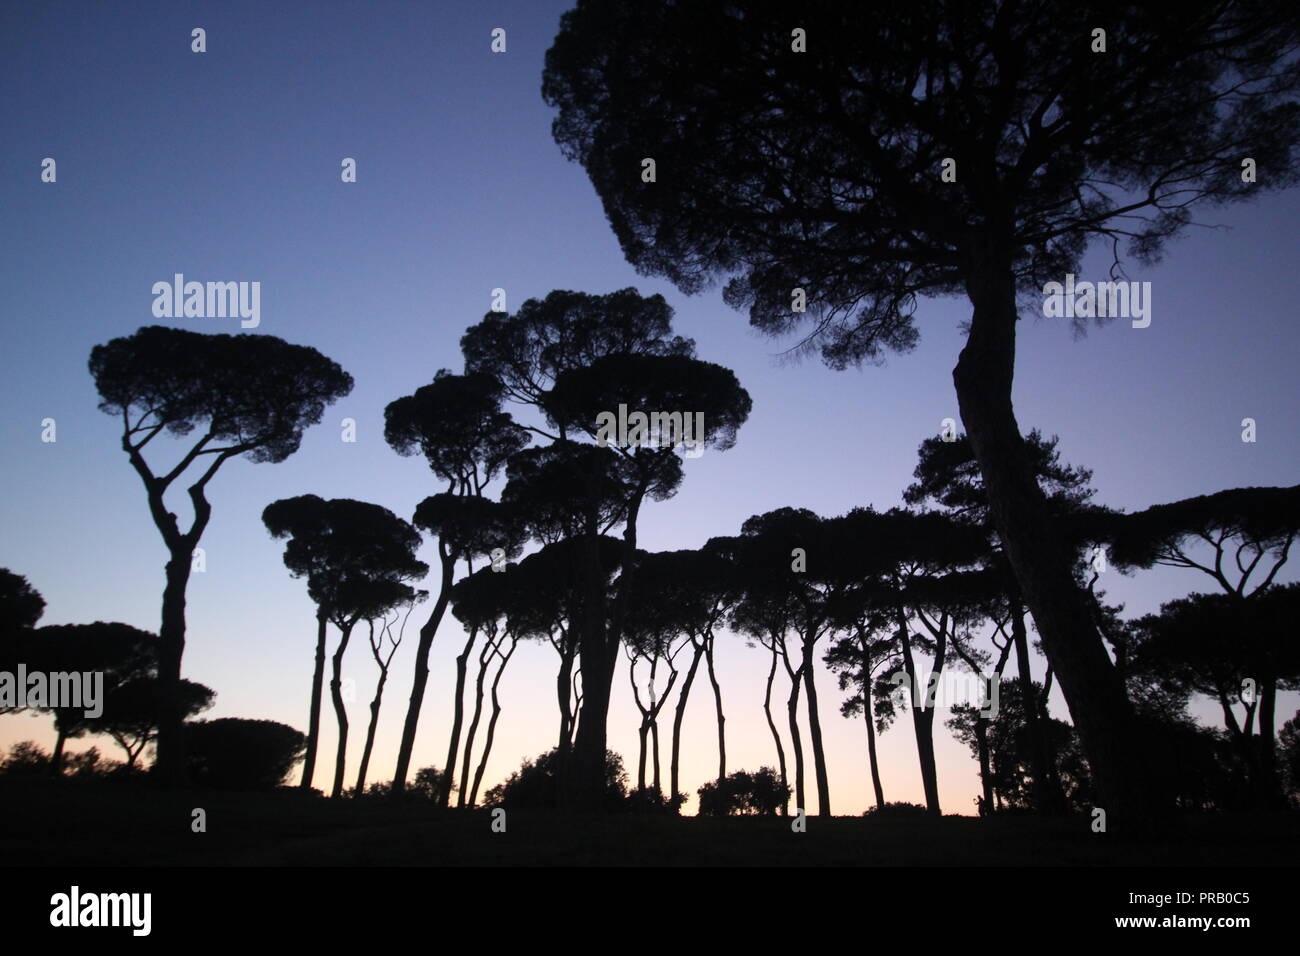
{"type": "Point", "coordinates": [383, 645]}
{"type": "Point", "coordinates": [948, 474]}
{"type": "Point", "coordinates": [820, 171]}
{"type": "Point", "coordinates": [133, 709]}
{"type": "Point", "coordinates": [859, 658]}
{"type": "Point", "coordinates": [355, 556]}
{"type": "Point", "coordinates": [536, 785]}
{"type": "Point", "coordinates": [457, 425]}
{"type": "Point", "coordinates": [21, 605]}
{"type": "Point", "coordinates": [575, 357]}
{"type": "Point", "coordinates": [250, 395]}
{"type": "Point", "coordinates": [232, 753]}
{"type": "Point", "coordinates": [1253, 528]}
{"type": "Point", "coordinates": [1206, 644]}
{"type": "Point", "coordinates": [759, 793]}
{"type": "Point", "coordinates": [119, 652]}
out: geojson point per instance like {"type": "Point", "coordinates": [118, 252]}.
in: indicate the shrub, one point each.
{"type": "Point", "coordinates": [26, 758]}
{"type": "Point", "coordinates": [759, 793]}
{"type": "Point", "coordinates": [900, 808]}
{"type": "Point", "coordinates": [236, 754]}
{"type": "Point", "coordinates": [535, 786]}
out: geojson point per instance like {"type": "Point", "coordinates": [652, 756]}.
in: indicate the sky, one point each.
{"type": "Point", "coordinates": [225, 166]}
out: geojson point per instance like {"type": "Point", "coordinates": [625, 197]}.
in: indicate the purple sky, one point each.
{"type": "Point", "coordinates": [225, 166]}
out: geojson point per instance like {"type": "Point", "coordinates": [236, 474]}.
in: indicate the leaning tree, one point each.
{"type": "Point", "coordinates": [250, 395]}
{"type": "Point", "coordinates": [456, 424]}
{"type": "Point", "coordinates": [340, 545]}
{"type": "Point", "coordinates": [840, 161]}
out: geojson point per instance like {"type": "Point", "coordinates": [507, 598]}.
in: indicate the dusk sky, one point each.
{"type": "Point", "coordinates": [225, 166]}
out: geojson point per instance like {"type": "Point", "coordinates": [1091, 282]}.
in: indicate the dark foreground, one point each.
{"type": "Point", "coordinates": [56, 823]}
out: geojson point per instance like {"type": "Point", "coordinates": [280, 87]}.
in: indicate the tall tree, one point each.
{"type": "Point", "coordinates": [340, 546]}
{"type": "Point", "coordinates": [805, 156]}
{"type": "Point", "coordinates": [250, 395]}
{"type": "Point", "coordinates": [948, 474]}
{"type": "Point", "coordinates": [576, 358]}
{"type": "Point", "coordinates": [383, 645]}
{"type": "Point", "coordinates": [457, 425]}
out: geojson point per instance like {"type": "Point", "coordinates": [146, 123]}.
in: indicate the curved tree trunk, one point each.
{"type": "Point", "coordinates": [458, 717]}
{"type": "Point", "coordinates": [1048, 796]}
{"type": "Point", "coordinates": [1040, 558]}
{"type": "Point", "coordinates": [717, 707]}
{"type": "Point", "coordinates": [871, 744]}
{"type": "Point", "coordinates": [674, 764]}
{"type": "Point", "coordinates": [317, 687]}
{"type": "Point", "coordinates": [815, 732]}
{"type": "Point", "coordinates": [486, 655]}
{"type": "Point", "coordinates": [56, 758]}
{"type": "Point", "coordinates": [492, 725]}
{"type": "Point", "coordinates": [169, 763]}
{"type": "Point", "coordinates": [421, 678]}
{"type": "Point", "coordinates": [340, 711]}
{"type": "Point", "coordinates": [563, 694]}
{"type": "Point", "coordinates": [370, 731]}
{"type": "Point", "coordinates": [776, 734]}
{"type": "Point", "coordinates": [792, 714]}
{"type": "Point", "coordinates": [922, 721]}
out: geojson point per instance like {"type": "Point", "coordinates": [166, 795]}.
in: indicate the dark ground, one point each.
{"type": "Point", "coordinates": [47, 823]}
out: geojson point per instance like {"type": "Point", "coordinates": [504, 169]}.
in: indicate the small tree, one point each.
{"type": "Point", "coordinates": [232, 753]}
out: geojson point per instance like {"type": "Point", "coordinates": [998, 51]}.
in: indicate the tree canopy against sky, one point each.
{"type": "Point", "coordinates": [784, 162]}
{"type": "Point", "coordinates": [249, 395]}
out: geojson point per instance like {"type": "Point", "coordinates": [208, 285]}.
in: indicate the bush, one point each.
{"type": "Point", "coordinates": [900, 808]}
{"type": "Point", "coordinates": [236, 754]}
{"type": "Point", "coordinates": [759, 793]}
{"type": "Point", "coordinates": [535, 785]}
{"type": "Point", "coordinates": [26, 758]}
{"type": "Point", "coordinates": [653, 800]}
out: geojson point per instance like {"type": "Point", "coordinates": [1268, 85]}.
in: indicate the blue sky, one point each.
{"type": "Point", "coordinates": [225, 166]}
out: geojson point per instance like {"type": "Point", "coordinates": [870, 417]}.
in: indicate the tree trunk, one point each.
{"type": "Point", "coordinates": [562, 694]}
{"type": "Point", "coordinates": [771, 725]}
{"type": "Point", "coordinates": [458, 717]}
{"type": "Point", "coordinates": [370, 732]}
{"type": "Point", "coordinates": [1039, 556]}
{"type": "Point", "coordinates": [492, 725]}
{"type": "Point", "coordinates": [489, 650]}
{"type": "Point", "coordinates": [871, 742]}
{"type": "Point", "coordinates": [792, 714]}
{"type": "Point", "coordinates": [421, 678]}
{"type": "Point", "coordinates": [815, 731]}
{"type": "Point", "coordinates": [717, 707]}
{"type": "Point", "coordinates": [169, 763]}
{"type": "Point", "coordinates": [674, 764]}
{"type": "Point", "coordinates": [340, 711]}
{"type": "Point", "coordinates": [317, 687]}
{"type": "Point", "coordinates": [1048, 796]}
{"type": "Point", "coordinates": [642, 733]}
{"type": "Point", "coordinates": [56, 758]}
{"type": "Point", "coordinates": [922, 721]}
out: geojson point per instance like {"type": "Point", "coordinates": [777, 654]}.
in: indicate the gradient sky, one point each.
{"type": "Point", "coordinates": [225, 166]}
